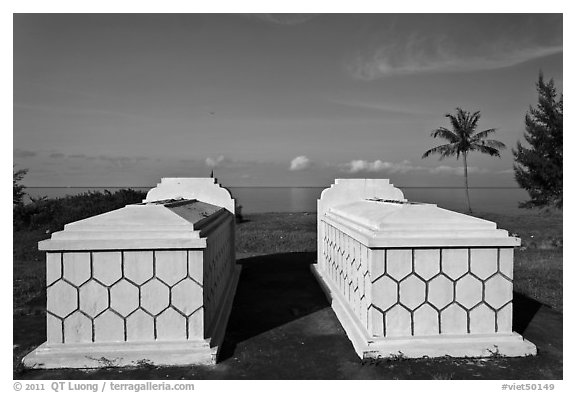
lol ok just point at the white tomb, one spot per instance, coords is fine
(150, 283)
(412, 279)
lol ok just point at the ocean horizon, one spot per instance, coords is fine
(261, 199)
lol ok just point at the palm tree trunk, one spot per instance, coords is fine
(466, 182)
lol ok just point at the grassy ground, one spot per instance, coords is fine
(273, 233)
(538, 263)
(282, 327)
(29, 266)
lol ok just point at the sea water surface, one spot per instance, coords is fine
(503, 200)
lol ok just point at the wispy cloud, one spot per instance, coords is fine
(300, 163)
(418, 50)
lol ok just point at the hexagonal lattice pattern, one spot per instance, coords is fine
(483, 262)
(154, 296)
(384, 293)
(76, 267)
(498, 291)
(107, 267)
(482, 320)
(468, 291)
(427, 263)
(171, 266)
(139, 326)
(171, 325)
(412, 292)
(455, 262)
(61, 299)
(426, 321)
(187, 296)
(440, 291)
(124, 297)
(77, 328)
(422, 291)
(398, 322)
(109, 326)
(453, 320)
(398, 263)
(138, 266)
(93, 298)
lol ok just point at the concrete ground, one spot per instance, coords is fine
(282, 327)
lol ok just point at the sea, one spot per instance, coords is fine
(501, 200)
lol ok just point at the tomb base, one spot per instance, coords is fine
(474, 346)
(100, 355)
(121, 354)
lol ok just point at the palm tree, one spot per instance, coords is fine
(463, 139)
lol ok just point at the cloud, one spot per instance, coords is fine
(56, 155)
(300, 163)
(214, 162)
(453, 43)
(24, 153)
(356, 166)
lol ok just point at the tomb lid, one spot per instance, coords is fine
(168, 223)
(399, 223)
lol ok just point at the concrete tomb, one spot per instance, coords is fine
(412, 279)
(148, 283)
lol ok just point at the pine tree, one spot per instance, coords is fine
(538, 168)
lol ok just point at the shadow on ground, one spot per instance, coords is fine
(273, 290)
(281, 327)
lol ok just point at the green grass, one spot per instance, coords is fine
(537, 271)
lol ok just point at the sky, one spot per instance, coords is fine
(270, 99)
